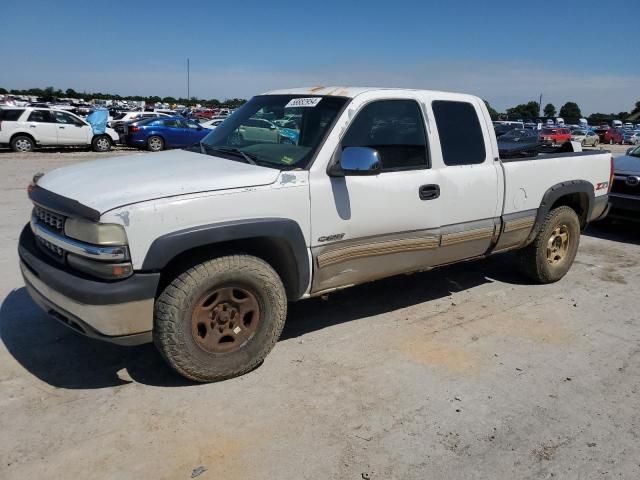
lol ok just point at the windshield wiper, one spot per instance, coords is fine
(250, 158)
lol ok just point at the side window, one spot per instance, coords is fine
(193, 125)
(42, 116)
(395, 129)
(460, 133)
(63, 118)
(10, 115)
(172, 123)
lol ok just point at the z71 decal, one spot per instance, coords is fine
(602, 186)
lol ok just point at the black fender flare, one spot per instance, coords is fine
(169, 246)
(558, 191)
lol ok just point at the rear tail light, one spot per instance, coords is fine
(134, 129)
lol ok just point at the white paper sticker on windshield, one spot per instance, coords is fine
(303, 102)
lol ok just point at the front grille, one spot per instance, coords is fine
(49, 219)
(50, 248)
(620, 186)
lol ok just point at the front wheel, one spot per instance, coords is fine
(101, 143)
(220, 319)
(548, 258)
(155, 143)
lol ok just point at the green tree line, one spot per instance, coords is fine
(49, 94)
(568, 111)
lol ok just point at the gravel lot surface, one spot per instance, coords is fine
(463, 372)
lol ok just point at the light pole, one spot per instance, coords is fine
(540, 107)
(188, 82)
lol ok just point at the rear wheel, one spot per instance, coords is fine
(101, 143)
(22, 144)
(155, 143)
(220, 318)
(548, 258)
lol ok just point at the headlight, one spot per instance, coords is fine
(95, 233)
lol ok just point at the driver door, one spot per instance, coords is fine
(372, 226)
(71, 131)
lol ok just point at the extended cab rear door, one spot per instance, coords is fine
(419, 211)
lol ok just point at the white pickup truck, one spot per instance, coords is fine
(199, 250)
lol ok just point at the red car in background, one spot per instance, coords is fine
(208, 113)
(613, 135)
(555, 136)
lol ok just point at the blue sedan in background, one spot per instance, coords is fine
(156, 134)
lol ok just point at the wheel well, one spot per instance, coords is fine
(22, 134)
(274, 251)
(106, 135)
(578, 201)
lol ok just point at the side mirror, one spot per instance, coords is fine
(357, 161)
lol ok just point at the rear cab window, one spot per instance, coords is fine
(461, 138)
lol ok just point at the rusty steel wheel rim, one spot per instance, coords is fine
(558, 245)
(225, 319)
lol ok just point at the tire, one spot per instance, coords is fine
(596, 143)
(538, 261)
(583, 143)
(198, 347)
(101, 143)
(22, 144)
(155, 143)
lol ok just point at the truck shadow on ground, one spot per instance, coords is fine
(63, 359)
(615, 230)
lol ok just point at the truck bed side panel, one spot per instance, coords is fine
(526, 181)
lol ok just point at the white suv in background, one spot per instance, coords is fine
(25, 128)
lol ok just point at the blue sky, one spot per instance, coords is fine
(508, 52)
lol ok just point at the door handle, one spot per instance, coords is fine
(429, 192)
(32, 126)
(62, 128)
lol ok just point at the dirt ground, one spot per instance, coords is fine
(460, 373)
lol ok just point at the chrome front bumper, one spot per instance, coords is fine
(119, 312)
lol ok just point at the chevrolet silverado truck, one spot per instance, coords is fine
(200, 250)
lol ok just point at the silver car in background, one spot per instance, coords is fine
(587, 138)
(632, 137)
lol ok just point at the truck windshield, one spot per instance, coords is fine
(254, 133)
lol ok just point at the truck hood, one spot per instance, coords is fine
(116, 181)
(627, 164)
